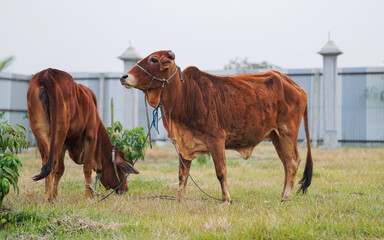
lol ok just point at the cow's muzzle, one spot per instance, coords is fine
(124, 80)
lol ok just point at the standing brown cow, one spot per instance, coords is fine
(208, 113)
(63, 116)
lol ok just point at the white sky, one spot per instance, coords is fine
(89, 35)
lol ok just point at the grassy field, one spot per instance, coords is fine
(345, 200)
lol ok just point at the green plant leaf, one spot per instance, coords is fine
(10, 145)
(9, 171)
(18, 125)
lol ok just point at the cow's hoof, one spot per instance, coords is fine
(226, 198)
(48, 199)
(88, 193)
(179, 198)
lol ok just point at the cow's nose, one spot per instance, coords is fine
(122, 79)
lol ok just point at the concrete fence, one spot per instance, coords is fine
(360, 101)
(345, 105)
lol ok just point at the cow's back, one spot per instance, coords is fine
(238, 102)
(56, 79)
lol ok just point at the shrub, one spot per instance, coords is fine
(12, 140)
(203, 159)
(130, 141)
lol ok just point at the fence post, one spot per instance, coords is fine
(131, 96)
(330, 52)
(316, 107)
(101, 96)
(112, 120)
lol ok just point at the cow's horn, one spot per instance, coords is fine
(172, 55)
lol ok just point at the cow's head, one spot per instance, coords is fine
(108, 176)
(159, 64)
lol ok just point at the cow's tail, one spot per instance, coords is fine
(307, 175)
(49, 101)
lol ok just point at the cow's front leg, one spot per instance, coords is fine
(183, 177)
(89, 154)
(217, 149)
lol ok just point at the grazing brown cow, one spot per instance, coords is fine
(63, 116)
(208, 113)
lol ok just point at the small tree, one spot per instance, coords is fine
(203, 159)
(129, 141)
(243, 63)
(12, 138)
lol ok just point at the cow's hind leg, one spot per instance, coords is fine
(43, 147)
(184, 168)
(58, 172)
(286, 148)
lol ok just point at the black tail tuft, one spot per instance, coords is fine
(305, 182)
(45, 171)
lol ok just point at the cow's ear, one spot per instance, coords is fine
(126, 167)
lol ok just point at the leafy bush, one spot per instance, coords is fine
(12, 138)
(130, 141)
(203, 159)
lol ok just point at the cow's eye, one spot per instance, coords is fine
(153, 60)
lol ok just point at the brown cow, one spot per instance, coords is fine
(63, 116)
(208, 113)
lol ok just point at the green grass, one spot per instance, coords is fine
(345, 201)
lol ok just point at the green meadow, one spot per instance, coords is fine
(345, 200)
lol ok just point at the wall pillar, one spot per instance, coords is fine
(330, 53)
(131, 96)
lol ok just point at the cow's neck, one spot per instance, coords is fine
(170, 95)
